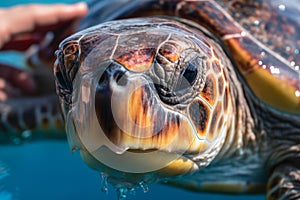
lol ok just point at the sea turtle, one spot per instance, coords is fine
(201, 94)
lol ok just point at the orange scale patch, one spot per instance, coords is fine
(170, 52)
(209, 92)
(140, 114)
(226, 98)
(200, 113)
(139, 60)
(214, 121)
(220, 125)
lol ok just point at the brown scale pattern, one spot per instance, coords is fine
(217, 112)
(199, 113)
(137, 61)
(220, 85)
(206, 14)
(92, 53)
(209, 91)
(170, 52)
(226, 98)
(216, 67)
(220, 124)
(267, 23)
(214, 94)
(136, 52)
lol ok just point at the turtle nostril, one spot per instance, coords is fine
(113, 76)
(120, 78)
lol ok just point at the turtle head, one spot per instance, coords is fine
(142, 97)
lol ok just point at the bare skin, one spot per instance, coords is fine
(23, 26)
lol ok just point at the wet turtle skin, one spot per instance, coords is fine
(203, 96)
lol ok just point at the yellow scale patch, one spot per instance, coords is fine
(276, 91)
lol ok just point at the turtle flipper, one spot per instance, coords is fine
(284, 183)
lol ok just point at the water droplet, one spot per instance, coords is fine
(104, 183)
(296, 51)
(260, 62)
(293, 63)
(262, 54)
(243, 33)
(256, 22)
(288, 48)
(264, 66)
(74, 148)
(122, 193)
(297, 93)
(282, 7)
(144, 186)
(297, 67)
(274, 70)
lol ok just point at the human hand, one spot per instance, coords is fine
(28, 24)
(23, 26)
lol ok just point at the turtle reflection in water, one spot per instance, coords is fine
(203, 95)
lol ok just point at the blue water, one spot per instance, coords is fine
(48, 170)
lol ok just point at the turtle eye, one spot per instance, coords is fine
(71, 53)
(67, 64)
(187, 76)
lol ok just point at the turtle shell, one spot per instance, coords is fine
(261, 37)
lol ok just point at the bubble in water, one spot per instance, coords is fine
(104, 183)
(296, 51)
(144, 186)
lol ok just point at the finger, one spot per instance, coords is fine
(26, 18)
